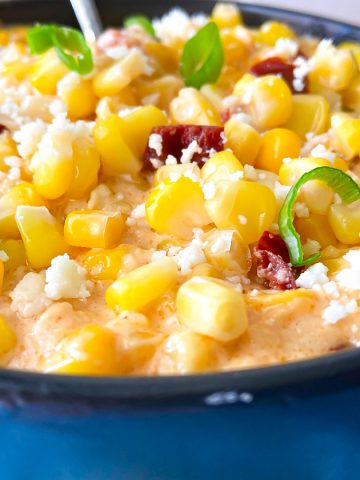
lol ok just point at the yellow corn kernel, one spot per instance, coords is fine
(247, 207)
(276, 145)
(113, 79)
(225, 250)
(242, 139)
(226, 15)
(106, 264)
(220, 166)
(4, 37)
(138, 289)
(167, 171)
(86, 164)
(160, 90)
(176, 207)
(352, 47)
(315, 227)
(186, 352)
(116, 156)
(268, 299)
(345, 222)
(235, 50)
(203, 270)
(93, 228)
(266, 99)
(214, 94)
(46, 72)
(138, 125)
(7, 337)
(79, 98)
(2, 269)
(310, 114)
(90, 350)
(316, 194)
(351, 94)
(228, 78)
(7, 149)
(108, 105)
(332, 67)
(164, 56)
(345, 136)
(192, 107)
(212, 307)
(271, 31)
(18, 68)
(22, 194)
(138, 347)
(42, 235)
(15, 250)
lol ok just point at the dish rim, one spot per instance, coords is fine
(253, 380)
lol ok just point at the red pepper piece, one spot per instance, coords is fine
(272, 257)
(276, 66)
(176, 138)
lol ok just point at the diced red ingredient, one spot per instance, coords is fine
(3, 128)
(276, 66)
(225, 115)
(176, 138)
(271, 258)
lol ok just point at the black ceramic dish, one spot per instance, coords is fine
(293, 421)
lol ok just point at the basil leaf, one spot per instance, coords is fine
(39, 38)
(203, 57)
(70, 46)
(340, 182)
(141, 21)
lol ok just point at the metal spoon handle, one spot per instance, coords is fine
(88, 17)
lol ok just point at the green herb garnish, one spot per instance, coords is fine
(203, 57)
(141, 21)
(340, 182)
(69, 44)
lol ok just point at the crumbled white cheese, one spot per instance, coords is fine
(139, 211)
(28, 297)
(315, 275)
(320, 151)
(301, 70)
(242, 219)
(13, 161)
(331, 289)
(285, 47)
(28, 137)
(286, 160)
(192, 175)
(281, 191)
(156, 163)
(170, 160)
(4, 257)
(349, 278)
(56, 107)
(190, 256)
(209, 190)
(242, 117)
(223, 241)
(236, 176)
(158, 255)
(155, 142)
(188, 153)
(337, 311)
(65, 278)
(250, 173)
(223, 137)
(174, 176)
(301, 210)
(177, 24)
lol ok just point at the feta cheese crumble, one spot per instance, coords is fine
(65, 278)
(315, 275)
(349, 278)
(337, 311)
(320, 151)
(155, 142)
(188, 153)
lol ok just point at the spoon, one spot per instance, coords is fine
(88, 17)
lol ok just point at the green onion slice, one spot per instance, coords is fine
(203, 57)
(69, 44)
(141, 21)
(340, 182)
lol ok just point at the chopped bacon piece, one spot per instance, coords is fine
(176, 138)
(276, 66)
(272, 257)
